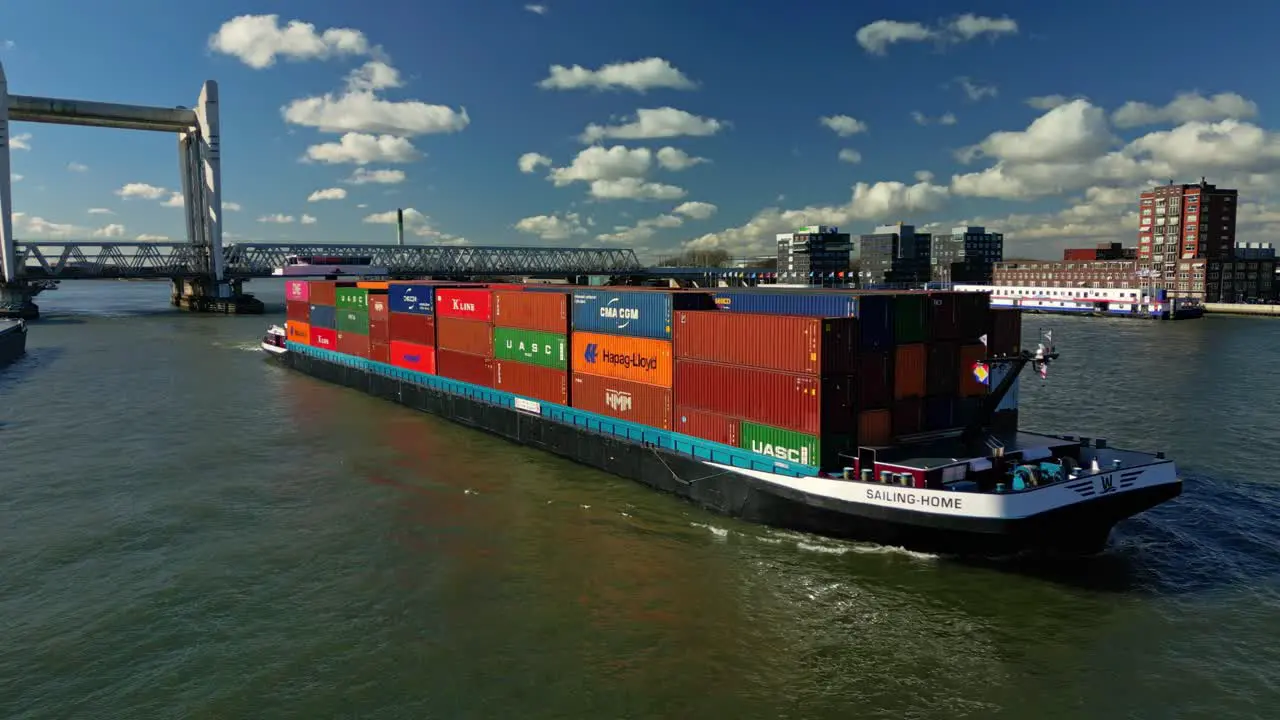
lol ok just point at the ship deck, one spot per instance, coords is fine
(941, 452)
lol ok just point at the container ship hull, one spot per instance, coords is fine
(1074, 516)
(13, 341)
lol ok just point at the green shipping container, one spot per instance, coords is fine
(353, 321)
(530, 346)
(909, 316)
(787, 445)
(352, 299)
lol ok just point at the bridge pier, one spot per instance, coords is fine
(16, 301)
(203, 295)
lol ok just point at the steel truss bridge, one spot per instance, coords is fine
(105, 259)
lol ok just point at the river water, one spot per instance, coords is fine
(191, 532)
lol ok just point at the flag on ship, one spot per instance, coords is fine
(982, 372)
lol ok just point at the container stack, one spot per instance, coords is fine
(778, 385)
(412, 326)
(380, 324)
(324, 314)
(464, 335)
(911, 355)
(531, 344)
(352, 305)
(297, 311)
(1005, 339)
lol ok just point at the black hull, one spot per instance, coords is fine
(13, 344)
(1082, 528)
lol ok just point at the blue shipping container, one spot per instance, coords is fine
(324, 316)
(784, 303)
(418, 299)
(875, 322)
(635, 314)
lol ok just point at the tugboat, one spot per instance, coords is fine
(273, 343)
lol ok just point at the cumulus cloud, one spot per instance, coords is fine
(21, 141)
(114, 230)
(639, 76)
(619, 172)
(334, 193)
(363, 148)
(696, 210)
(641, 231)
(278, 219)
(364, 112)
(536, 9)
(142, 191)
(531, 161)
(416, 223)
(876, 37)
(552, 227)
(258, 40)
(77, 167)
(849, 155)
(843, 125)
(101, 211)
(1186, 107)
(307, 219)
(363, 176)
(943, 119)
(653, 123)
(974, 91)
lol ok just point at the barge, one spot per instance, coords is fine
(982, 488)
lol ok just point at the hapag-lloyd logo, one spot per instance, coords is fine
(294, 332)
(592, 354)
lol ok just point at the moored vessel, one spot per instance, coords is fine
(13, 340)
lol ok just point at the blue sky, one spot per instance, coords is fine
(1019, 116)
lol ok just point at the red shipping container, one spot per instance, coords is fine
(942, 316)
(532, 381)
(909, 370)
(379, 318)
(409, 356)
(708, 426)
(297, 311)
(468, 304)
(324, 338)
(966, 382)
(940, 370)
(875, 427)
(1006, 332)
(297, 291)
(788, 343)
(636, 402)
(353, 344)
(474, 369)
(875, 380)
(379, 351)
(469, 336)
(413, 328)
(542, 311)
(804, 403)
(323, 292)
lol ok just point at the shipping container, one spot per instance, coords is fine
(323, 337)
(373, 284)
(355, 344)
(875, 321)
(473, 337)
(875, 379)
(942, 317)
(875, 427)
(967, 384)
(1006, 332)
(625, 358)
(535, 382)
(635, 402)
(352, 298)
(805, 403)
(465, 304)
(941, 369)
(323, 316)
(531, 346)
(379, 351)
(908, 416)
(379, 318)
(474, 369)
(298, 332)
(910, 318)
(414, 298)
(634, 313)
(299, 311)
(411, 356)
(769, 302)
(413, 328)
(708, 426)
(973, 315)
(353, 321)
(786, 445)
(909, 366)
(322, 292)
(544, 312)
(297, 291)
(788, 343)
(939, 412)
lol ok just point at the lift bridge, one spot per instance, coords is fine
(208, 275)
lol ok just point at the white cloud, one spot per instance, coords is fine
(230, 206)
(362, 111)
(361, 176)
(278, 218)
(362, 205)
(307, 220)
(876, 37)
(417, 224)
(1047, 102)
(1071, 130)
(145, 237)
(924, 176)
(619, 172)
(101, 211)
(641, 231)
(531, 161)
(21, 141)
(114, 230)
(142, 191)
(334, 193)
(675, 160)
(77, 167)
(373, 75)
(843, 125)
(174, 201)
(1186, 107)
(975, 91)
(849, 155)
(257, 40)
(651, 123)
(640, 76)
(16, 177)
(696, 210)
(362, 148)
(536, 9)
(552, 227)
(631, 188)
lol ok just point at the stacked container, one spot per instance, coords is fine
(464, 335)
(297, 311)
(322, 295)
(1005, 339)
(778, 385)
(621, 350)
(531, 344)
(352, 304)
(411, 326)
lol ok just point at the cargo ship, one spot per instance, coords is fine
(883, 417)
(13, 340)
(1129, 302)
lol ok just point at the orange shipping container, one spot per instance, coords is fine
(373, 285)
(474, 337)
(875, 427)
(643, 360)
(298, 332)
(969, 385)
(909, 371)
(541, 311)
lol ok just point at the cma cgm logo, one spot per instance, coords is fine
(590, 353)
(463, 306)
(624, 315)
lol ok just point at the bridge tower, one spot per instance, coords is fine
(200, 165)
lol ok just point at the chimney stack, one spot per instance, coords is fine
(399, 226)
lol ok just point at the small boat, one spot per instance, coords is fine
(273, 342)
